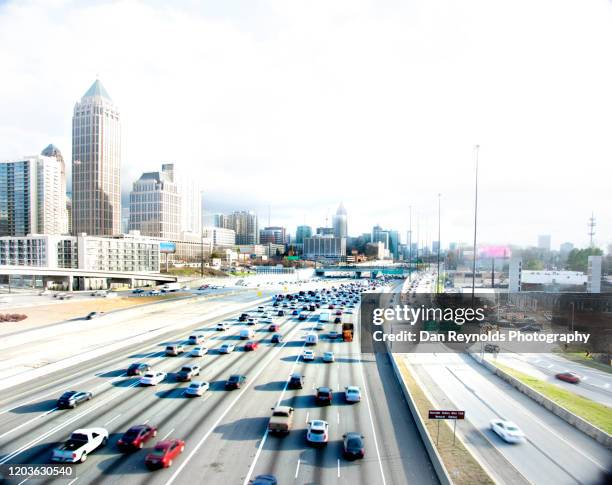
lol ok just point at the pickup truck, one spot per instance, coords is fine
(79, 445)
(281, 420)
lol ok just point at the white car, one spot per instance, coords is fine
(352, 394)
(308, 355)
(252, 320)
(319, 326)
(198, 351)
(197, 388)
(507, 431)
(222, 326)
(152, 378)
(266, 321)
(227, 348)
(154, 292)
(328, 357)
(318, 432)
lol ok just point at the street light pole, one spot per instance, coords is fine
(439, 244)
(410, 244)
(476, 149)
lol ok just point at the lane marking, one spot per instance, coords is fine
(338, 467)
(307, 416)
(28, 422)
(111, 420)
(145, 422)
(297, 468)
(168, 434)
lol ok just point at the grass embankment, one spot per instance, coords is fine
(462, 467)
(581, 358)
(595, 413)
(187, 271)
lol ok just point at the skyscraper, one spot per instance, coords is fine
(301, 233)
(245, 225)
(33, 196)
(96, 164)
(155, 205)
(339, 222)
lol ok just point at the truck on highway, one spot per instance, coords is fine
(347, 332)
(281, 420)
(168, 287)
(79, 445)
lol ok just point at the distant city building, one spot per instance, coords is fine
(219, 236)
(339, 222)
(594, 274)
(273, 234)
(544, 242)
(394, 244)
(245, 225)
(155, 205)
(325, 231)
(325, 247)
(301, 233)
(434, 246)
(33, 196)
(380, 235)
(566, 248)
(190, 198)
(96, 164)
(515, 270)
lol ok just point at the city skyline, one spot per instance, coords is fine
(224, 131)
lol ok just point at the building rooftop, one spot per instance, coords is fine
(97, 89)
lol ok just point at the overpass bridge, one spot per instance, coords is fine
(77, 279)
(364, 271)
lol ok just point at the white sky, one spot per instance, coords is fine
(301, 104)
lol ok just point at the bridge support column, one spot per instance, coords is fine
(70, 282)
(132, 282)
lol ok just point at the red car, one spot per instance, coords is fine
(251, 345)
(273, 328)
(135, 437)
(338, 312)
(164, 453)
(570, 377)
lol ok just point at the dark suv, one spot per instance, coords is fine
(296, 381)
(324, 396)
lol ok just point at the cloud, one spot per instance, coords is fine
(299, 105)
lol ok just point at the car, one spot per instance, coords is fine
(308, 355)
(333, 335)
(353, 446)
(507, 430)
(318, 432)
(203, 287)
(266, 321)
(152, 378)
(198, 351)
(295, 313)
(328, 357)
(251, 345)
(337, 320)
(137, 369)
(187, 372)
(252, 320)
(280, 313)
(570, 377)
(352, 394)
(71, 399)
(296, 381)
(260, 309)
(164, 453)
(154, 292)
(196, 388)
(302, 316)
(138, 291)
(273, 328)
(243, 317)
(92, 315)
(235, 381)
(266, 479)
(175, 349)
(226, 348)
(324, 396)
(196, 339)
(530, 328)
(277, 338)
(135, 437)
(222, 326)
(319, 326)
(81, 443)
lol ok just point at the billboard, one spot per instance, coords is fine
(167, 247)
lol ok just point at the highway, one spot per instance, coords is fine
(224, 431)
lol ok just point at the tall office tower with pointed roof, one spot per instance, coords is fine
(96, 164)
(339, 222)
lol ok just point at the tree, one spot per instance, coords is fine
(577, 259)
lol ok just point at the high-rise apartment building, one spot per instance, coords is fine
(245, 225)
(155, 205)
(339, 222)
(301, 233)
(96, 164)
(273, 235)
(33, 196)
(191, 201)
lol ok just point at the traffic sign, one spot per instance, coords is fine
(446, 414)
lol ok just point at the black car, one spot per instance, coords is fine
(235, 381)
(353, 446)
(138, 369)
(324, 396)
(187, 372)
(281, 313)
(71, 399)
(295, 312)
(296, 381)
(337, 320)
(243, 317)
(277, 338)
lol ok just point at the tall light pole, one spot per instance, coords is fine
(439, 244)
(410, 243)
(476, 150)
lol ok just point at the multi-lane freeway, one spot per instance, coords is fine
(224, 431)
